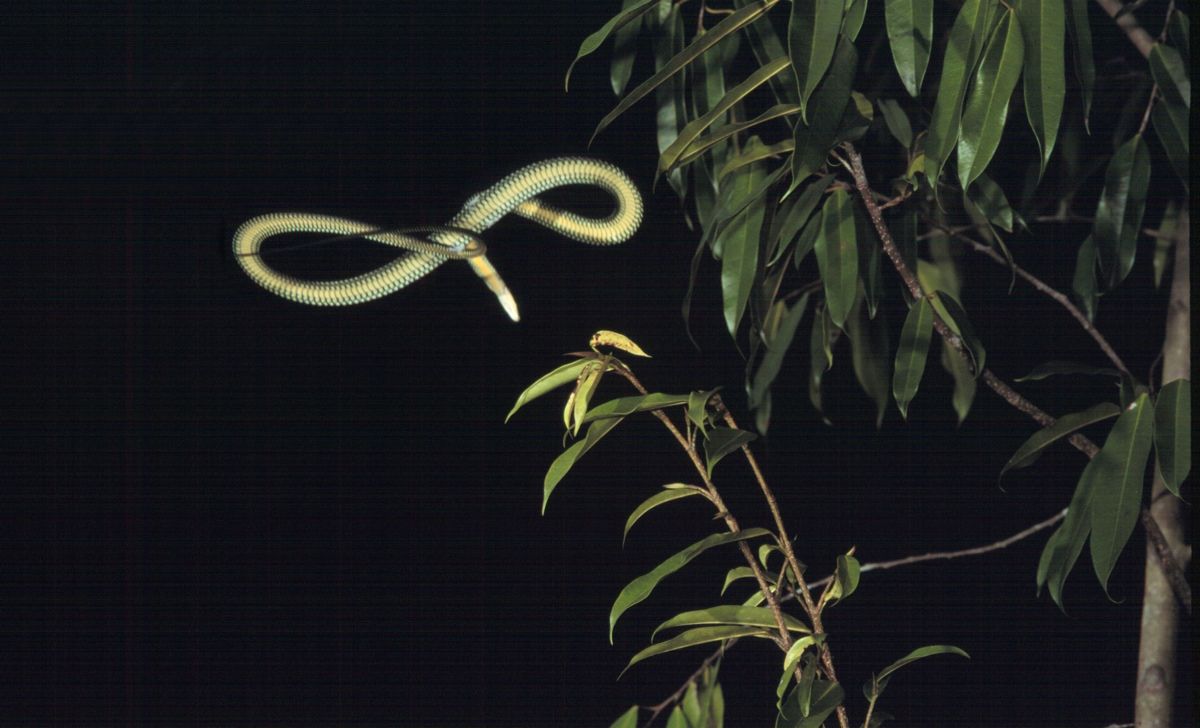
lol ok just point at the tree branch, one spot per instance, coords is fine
(1128, 23)
(1166, 562)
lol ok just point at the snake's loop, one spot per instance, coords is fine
(517, 193)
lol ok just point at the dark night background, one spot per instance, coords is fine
(224, 508)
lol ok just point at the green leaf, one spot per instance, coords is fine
(964, 381)
(870, 354)
(807, 240)
(987, 104)
(697, 409)
(812, 36)
(837, 255)
(625, 50)
(870, 256)
(731, 614)
(1173, 432)
(670, 157)
(919, 654)
(910, 35)
(912, 353)
(1120, 480)
(776, 349)
(1044, 25)
(820, 348)
(897, 122)
(581, 397)
(765, 44)
(564, 462)
(1170, 121)
(566, 374)
(1083, 285)
(640, 588)
(845, 579)
(701, 43)
(740, 572)
(656, 500)
(739, 242)
(1164, 243)
(722, 441)
(794, 213)
(856, 13)
(1080, 30)
(815, 136)
(722, 133)
(623, 406)
(825, 697)
(966, 41)
(1064, 426)
(754, 150)
(1179, 34)
(697, 636)
(958, 321)
(795, 654)
(677, 718)
(1064, 546)
(1052, 368)
(628, 719)
(1118, 220)
(672, 106)
(1171, 75)
(991, 201)
(595, 40)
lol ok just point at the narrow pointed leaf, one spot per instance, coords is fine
(1083, 284)
(628, 719)
(625, 49)
(815, 136)
(1178, 31)
(672, 105)
(991, 201)
(776, 349)
(566, 374)
(595, 40)
(958, 321)
(1170, 121)
(618, 341)
(589, 381)
(697, 409)
(739, 244)
(966, 41)
(1120, 480)
(640, 588)
(794, 213)
(697, 636)
(1080, 30)
(1064, 426)
(897, 122)
(727, 27)
(820, 348)
(1171, 74)
(564, 462)
(623, 406)
(1052, 368)
(740, 572)
(1118, 220)
(919, 654)
(1066, 544)
(812, 36)
(856, 13)
(837, 255)
(1173, 432)
(731, 614)
(753, 151)
(824, 698)
(870, 355)
(910, 35)
(722, 441)
(986, 107)
(912, 353)
(656, 500)
(720, 134)
(965, 383)
(1044, 26)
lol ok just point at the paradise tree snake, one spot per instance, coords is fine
(516, 193)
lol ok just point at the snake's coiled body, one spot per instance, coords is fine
(516, 193)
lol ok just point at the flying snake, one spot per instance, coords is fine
(457, 240)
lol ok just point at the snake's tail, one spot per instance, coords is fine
(485, 270)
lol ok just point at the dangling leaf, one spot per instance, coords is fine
(1120, 480)
(912, 353)
(919, 654)
(1043, 25)
(837, 255)
(1173, 432)
(595, 40)
(815, 136)
(564, 462)
(987, 104)
(812, 36)
(870, 354)
(910, 35)
(1170, 120)
(824, 698)
(1064, 426)
(845, 579)
(1118, 221)
(656, 500)
(672, 106)
(722, 441)
(1171, 75)
(776, 349)
(1080, 29)
(1083, 285)
(628, 719)
(640, 588)
(964, 381)
(896, 121)
(739, 243)
(625, 49)
(616, 341)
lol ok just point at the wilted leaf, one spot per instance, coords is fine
(987, 103)
(656, 500)
(640, 588)
(912, 353)
(625, 49)
(964, 381)
(837, 255)
(845, 579)
(1170, 121)
(910, 35)
(1120, 480)
(616, 341)
(1173, 432)
(1064, 426)
(697, 409)
(1043, 24)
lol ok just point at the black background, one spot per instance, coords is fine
(221, 507)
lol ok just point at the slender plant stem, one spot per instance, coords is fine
(785, 543)
(1129, 25)
(1059, 297)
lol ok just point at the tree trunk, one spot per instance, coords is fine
(1160, 607)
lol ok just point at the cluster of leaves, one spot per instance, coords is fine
(752, 144)
(815, 695)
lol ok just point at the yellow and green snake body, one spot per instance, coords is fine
(516, 193)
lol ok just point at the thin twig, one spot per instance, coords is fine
(1059, 297)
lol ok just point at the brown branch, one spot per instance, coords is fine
(674, 697)
(1175, 577)
(1129, 25)
(1059, 297)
